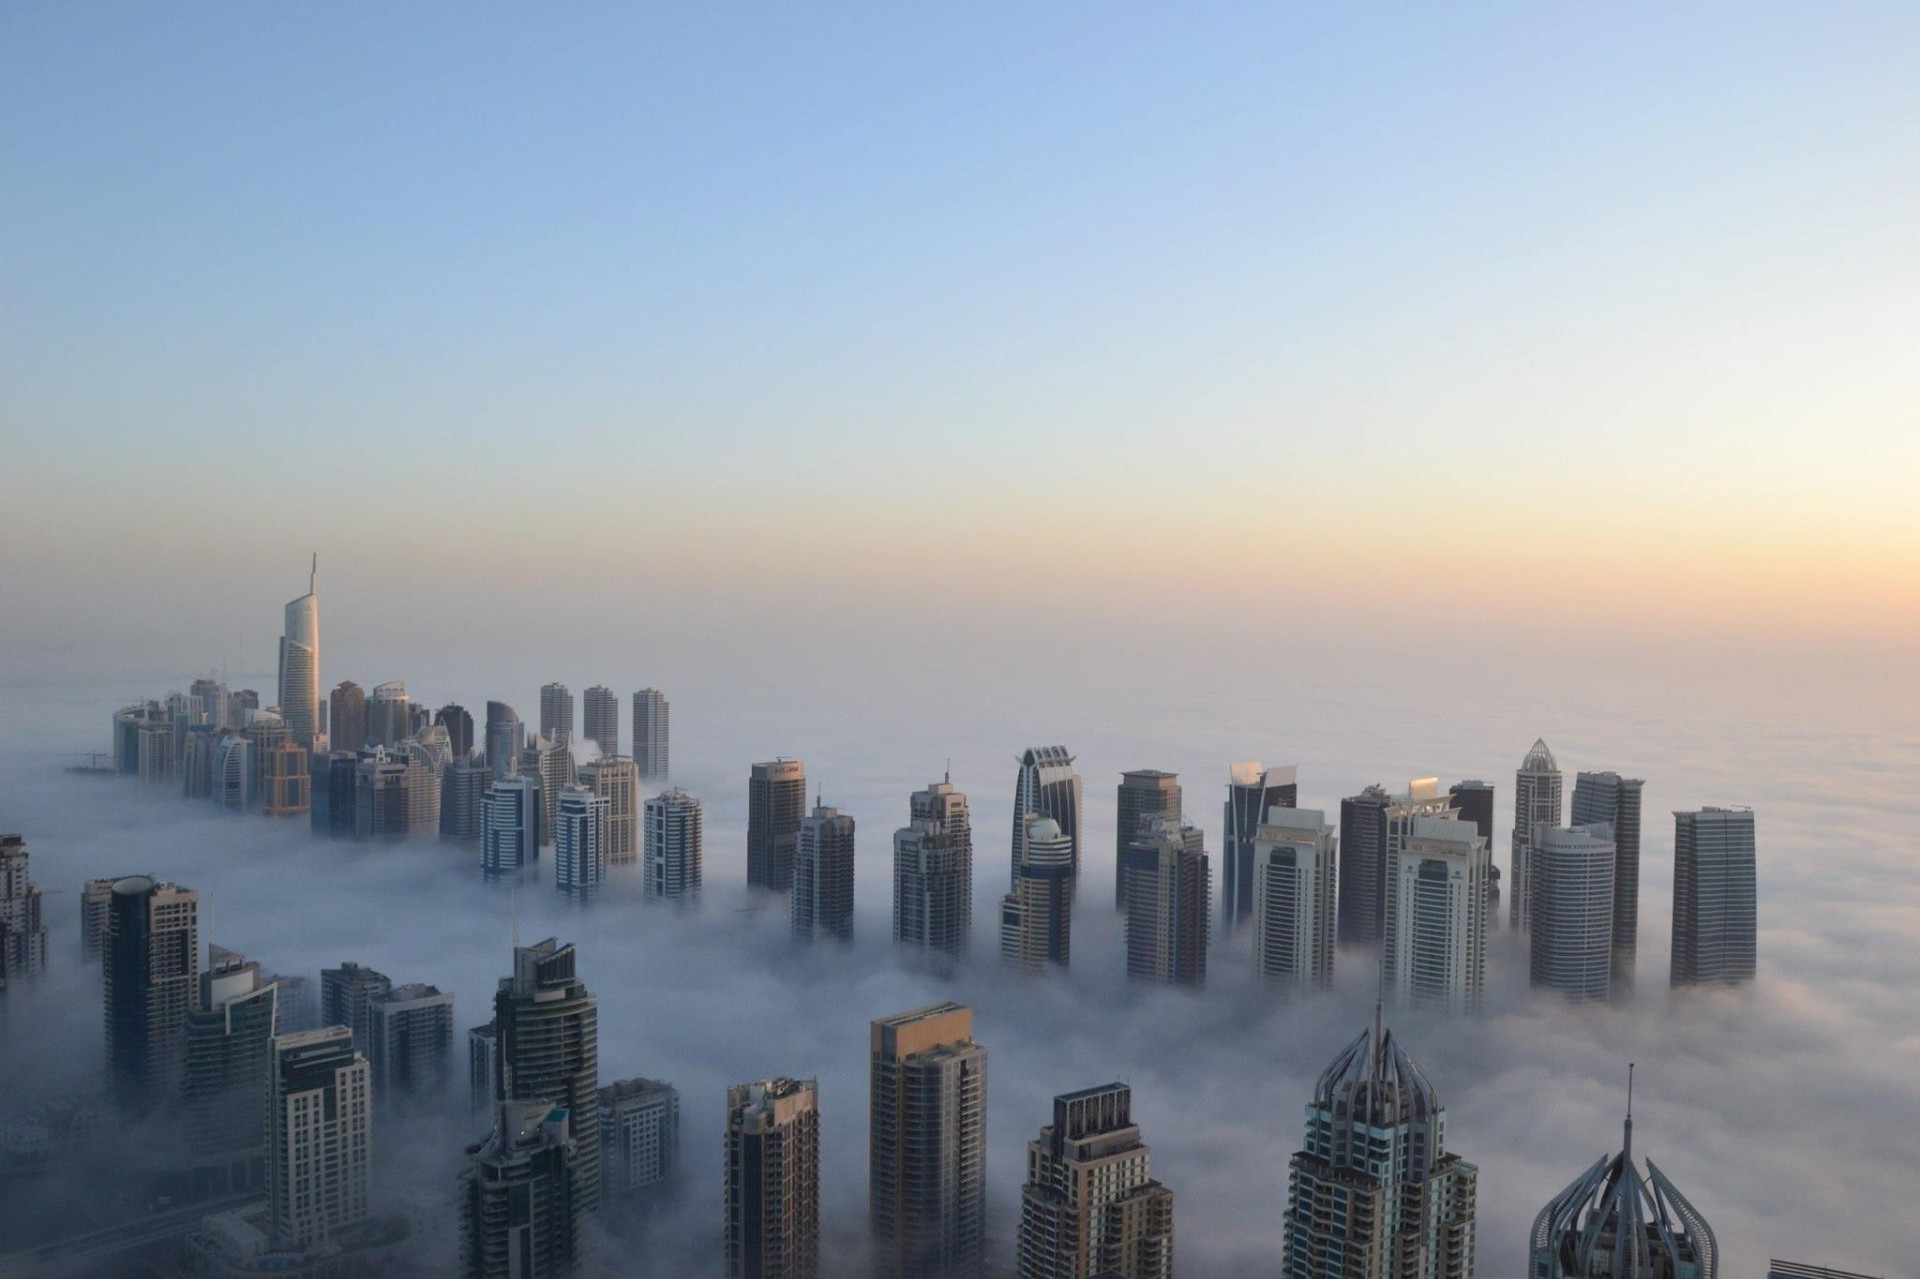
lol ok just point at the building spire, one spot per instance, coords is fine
(313, 574)
(1626, 1150)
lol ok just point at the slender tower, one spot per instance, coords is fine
(1536, 803)
(548, 1031)
(1047, 785)
(300, 663)
(1253, 790)
(933, 873)
(1143, 793)
(1036, 918)
(1167, 891)
(1570, 943)
(1715, 891)
(1435, 949)
(650, 713)
(1615, 800)
(150, 976)
(820, 906)
(776, 803)
(773, 1180)
(1293, 899)
(927, 1136)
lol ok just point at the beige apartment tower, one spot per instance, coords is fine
(773, 1180)
(927, 1137)
(1090, 1205)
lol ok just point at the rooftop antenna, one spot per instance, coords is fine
(947, 777)
(1626, 1153)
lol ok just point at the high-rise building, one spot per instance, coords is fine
(556, 713)
(506, 739)
(776, 804)
(1570, 942)
(1046, 784)
(580, 843)
(1168, 892)
(1615, 800)
(23, 928)
(1612, 1223)
(1091, 1205)
(382, 807)
(616, 779)
(458, 722)
(1374, 1192)
(229, 1059)
(1472, 801)
(602, 711)
(463, 799)
(639, 1136)
(347, 717)
(346, 993)
(1036, 918)
(1363, 866)
(234, 780)
(1252, 790)
(319, 1138)
(1143, 793)
(552, 763)
(1536, 803)
(333, 813)
(96, 901)
(673, 846)
(927, 1135)
(1435, 950)
(389, 714)
(483, 1068)
(650, 734)
(409, 1040)
(933, 872)
(773, 1180)
(1715, 892)
(1294, 899)
(300, 664)
(150, 975)
(297, 1002)
(510, 827)
(286, 780)
(520, 1198)
(821, 904)
(549, 1035)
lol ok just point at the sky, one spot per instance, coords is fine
(1589, 324)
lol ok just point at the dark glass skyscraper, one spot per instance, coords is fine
(1363, 866)
(821, 904)
(1715, 892)
(548, 1030)
(459, 725)
(1615, 800)
(1047, 785)
(1143, 793)
(150, 975)
(1252, 788)
(776, 803)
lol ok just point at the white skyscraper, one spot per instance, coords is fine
(1571, 937)
(510, 826)
(673, 832)
(1294, 899)
(319, 1138)
(580, 843)
(1536, 802)
(300, 664)
(617, 779)
(1436, 934)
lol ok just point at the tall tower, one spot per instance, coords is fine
(347, 717)
(459, 725)
(1473, 802)
(1536, 802)
(556, 713)
(150, 975)
(1571, 941)
(821, 905)
(1252, 791)
(548, 1029)
(1168, 893)
(1612, 1223)
(1374, 1193)
(409, 1041)
(580, 843)
(300, 664)
(229, 1059)
(674, 831)
(1036, 918)
(319, 1138)
(96, 903)
(389, 714)
(927, 1137)
(1436, 934)
(510, 828)
(23, 929)
(1363, 866)
(1294, 871)
(1046, 784)
(463, 799)
(1715, 892)
(773, 1180)
(1143, 793)
(506, 739)
(639, 1136)
(601, 709)
(1090, 1205)
(617, 780)
(520, 1209)
(650, 733)
(933, 873)
(1615, 800)
(776, 803)
(345, 994)
(552, 763)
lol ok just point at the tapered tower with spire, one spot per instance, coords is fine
(300, 663)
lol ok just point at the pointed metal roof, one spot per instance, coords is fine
(1539, 759)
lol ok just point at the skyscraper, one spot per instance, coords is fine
(1036, 917)
(389, 714)
(1473, 802)
(1570, 943)
(23, 929)
(382, 808)
(234, 782)
(1143, 793)
(286, 780)
(650, 734)
(463, 799)
(345, 994)
(229, 1059)
(347, 717)
(549, 1036)
(927, 1134)
(1615, 800)
(150, 975)
(933, 872)
(639, 1136)
(409, 1040)
(580, 843)
(1168, 893)
(1436, 934)
(776, 803)
(601, 709)
(1294, 871)
(459, 725)
(1090, 1205)
(96, 902)
(1612, 1223)
(1252, 790)
(552, 763)
(319, 1138)
(300, 664)
(510, 828)
(773, 1180)
(1046, 784)
(1715, 891)
(506, 739)
(520, 1197)
(556, 713)
(821, 904)
(1374, 1193)
(334, 801)
(1536, 802)
(616, 779)
(1363, 866)
(673, 845)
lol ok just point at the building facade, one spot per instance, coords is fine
(674, 826)
(1715, 897)
(23, 925)
(617, 780)
(1046, 784)
(1536, 802)
(150, 976)
(299, 683)
(1570, 942)
(1615, 800)
(601, 711)
(933, 874)
(1252, 791)
(1090, 1205)
(409, 1041)
(1295, 899)
(639, 1137)
(1036, 917)
(319, 1138)
(1168, 894)
(776, 805)
(510, 830)
(556, 713)
(927, 1136)
(580, 844)
(1143, 793)
(520, 1210)
(773, 1180)
(548, 1031)
(821, 904)
(1436, 936)
(650, 734)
